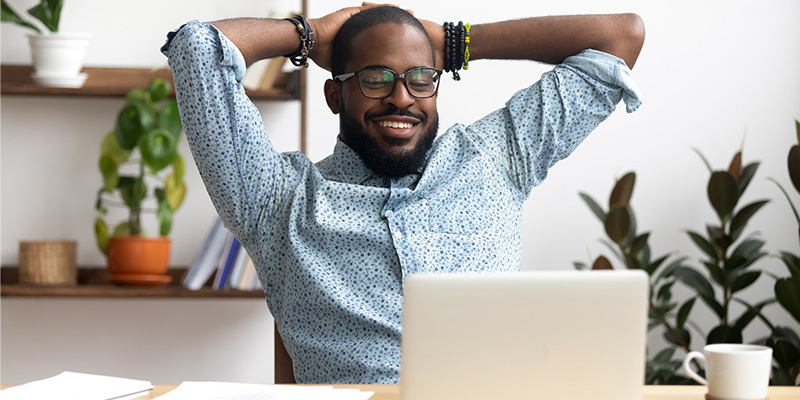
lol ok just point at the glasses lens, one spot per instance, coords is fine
(376, 83)
(421, 82)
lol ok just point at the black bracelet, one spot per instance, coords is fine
(300, 56)
(454, 47)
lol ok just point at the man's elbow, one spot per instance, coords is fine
(631, 38)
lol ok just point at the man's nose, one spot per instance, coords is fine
(400, 97)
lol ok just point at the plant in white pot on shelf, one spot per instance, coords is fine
(142, 172)
(57, 56)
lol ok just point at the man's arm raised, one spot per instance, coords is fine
(551, 39)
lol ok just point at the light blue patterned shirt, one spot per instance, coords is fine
(333, 242)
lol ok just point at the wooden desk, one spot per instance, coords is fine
(392, 392)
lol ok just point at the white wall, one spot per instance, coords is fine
(709, 73)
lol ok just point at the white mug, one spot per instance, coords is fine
(733, 371)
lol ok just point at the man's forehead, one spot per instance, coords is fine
(391, 45)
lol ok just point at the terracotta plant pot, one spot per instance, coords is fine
(137, 255)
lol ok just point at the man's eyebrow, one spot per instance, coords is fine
(387, 67)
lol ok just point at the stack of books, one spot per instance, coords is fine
(266, 75)
(223, 257)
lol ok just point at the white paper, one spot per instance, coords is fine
(76, 386)
(247, 391)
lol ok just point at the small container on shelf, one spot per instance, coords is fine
(48, 262)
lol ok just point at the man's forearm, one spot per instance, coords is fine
(552, 39)
(260, 38)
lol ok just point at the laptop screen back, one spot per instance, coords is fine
(527, 335)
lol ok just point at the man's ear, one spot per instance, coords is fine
(333, 95)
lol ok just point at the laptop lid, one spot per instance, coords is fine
(526, 335)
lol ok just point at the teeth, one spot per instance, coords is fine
(394, 124)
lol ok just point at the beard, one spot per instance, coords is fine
(392, 164)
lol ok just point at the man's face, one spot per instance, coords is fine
(391, 135)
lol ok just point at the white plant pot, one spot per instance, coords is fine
(58, 58)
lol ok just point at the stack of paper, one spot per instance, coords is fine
(246, 391)
(75, 386)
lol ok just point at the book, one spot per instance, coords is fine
(207, 256)
(235, 281)
(226, 263)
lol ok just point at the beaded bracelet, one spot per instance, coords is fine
(300, 57)
(466, 46)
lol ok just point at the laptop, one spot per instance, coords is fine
(525, 335)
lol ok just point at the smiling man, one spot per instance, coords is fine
(333, 241)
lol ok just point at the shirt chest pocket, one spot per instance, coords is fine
(458, 208)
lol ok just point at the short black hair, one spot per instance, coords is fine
(342, 50)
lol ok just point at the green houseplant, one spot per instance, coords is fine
(139, 162)
(632, 250)
(57, 56)
(785, 343)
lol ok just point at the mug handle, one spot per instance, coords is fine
(687, 366)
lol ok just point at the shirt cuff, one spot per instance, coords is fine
(230, 54)
(609, 69)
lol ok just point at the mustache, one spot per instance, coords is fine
(392, 110)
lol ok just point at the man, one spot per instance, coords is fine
(334, 241)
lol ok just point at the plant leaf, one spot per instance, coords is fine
(123, 229)
(748, 249)
(792, 263)
(132, 122)
(175, 193)
(133, 191)
(744, 280)
(580, 265)
(797, 128)
(670, 269)
(170, 119)
(784, 352)
(788, 200)
(158, 89)
(787, 292)
(639, 242)
(101, 234)
(158, 149)
(794, 166)
(163, 213)
(695, 280)
(724, 334)
(715, 272)
(702, 157)
(723, 192)
(751, 313)
(618, 223)
(747, 176)
(111, 147)
(596, 209)
(735, 168)
(740, 219)
(623, 190)
(601, 263)
(110, 171)
(684, 335)
(683, 312)
(178, 168)
(704, 245)
(48, 11)
(7, 14)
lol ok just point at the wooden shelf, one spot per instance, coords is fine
(93, 282)
(115, 82)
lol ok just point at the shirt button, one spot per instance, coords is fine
(398, 235)
(389, 213)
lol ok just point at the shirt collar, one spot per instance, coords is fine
(349, 166)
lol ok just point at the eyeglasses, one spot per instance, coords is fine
(379, 82)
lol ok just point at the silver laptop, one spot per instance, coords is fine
(528, 335)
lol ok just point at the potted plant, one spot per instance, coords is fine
(57, 56)
(143, 173)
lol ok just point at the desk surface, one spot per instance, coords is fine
(392, 392)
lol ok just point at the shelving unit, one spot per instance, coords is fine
(93, 283)
(115, 82)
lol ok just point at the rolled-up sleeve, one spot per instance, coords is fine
(246, 178)
(545, 122)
